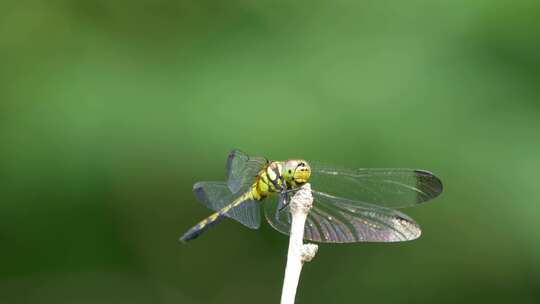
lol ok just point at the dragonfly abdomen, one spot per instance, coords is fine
(201, 227)
(215, 218)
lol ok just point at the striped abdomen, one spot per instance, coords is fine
(215, 218)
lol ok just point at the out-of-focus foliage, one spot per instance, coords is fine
(111, 110)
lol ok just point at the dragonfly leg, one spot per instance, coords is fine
(289, 191)
(282, 204)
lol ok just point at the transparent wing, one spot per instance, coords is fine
(241, 170)
(216, 195)
(395, 188)
(338, 220)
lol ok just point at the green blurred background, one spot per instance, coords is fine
(111, 110)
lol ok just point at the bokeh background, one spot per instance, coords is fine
(111, 110)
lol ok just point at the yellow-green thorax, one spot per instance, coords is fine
(279, 176)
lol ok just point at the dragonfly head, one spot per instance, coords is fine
(296, 171)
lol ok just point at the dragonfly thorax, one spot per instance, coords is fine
(279, 176)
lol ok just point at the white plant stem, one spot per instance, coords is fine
(298, 252)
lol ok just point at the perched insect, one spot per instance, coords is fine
(350, 205)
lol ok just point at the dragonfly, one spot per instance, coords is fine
(349, 205)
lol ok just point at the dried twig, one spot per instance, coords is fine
(298, 252)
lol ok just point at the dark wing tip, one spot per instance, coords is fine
(429, 185)
(198, 187)
(228, 165)
(198, 190)
(410, 230)
(233, 153)
(230, 157)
